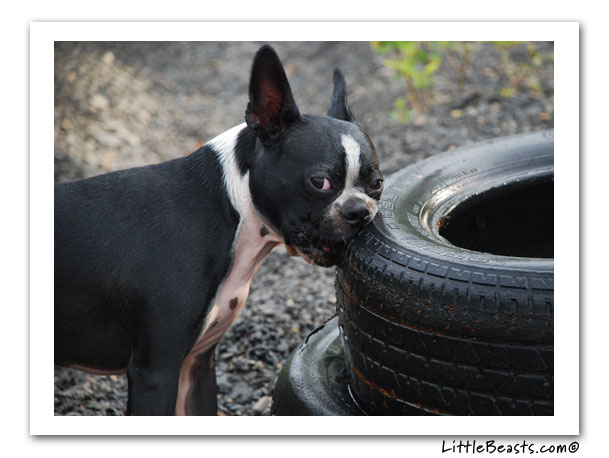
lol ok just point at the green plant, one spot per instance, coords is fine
(458, 54)
(521, 75)
(416, 62)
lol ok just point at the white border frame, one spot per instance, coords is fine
(566, 40)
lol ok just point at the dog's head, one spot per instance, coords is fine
(315, 179)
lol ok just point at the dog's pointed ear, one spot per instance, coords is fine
(339, 108)
(271, 107)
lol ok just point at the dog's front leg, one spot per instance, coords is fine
(198, 389)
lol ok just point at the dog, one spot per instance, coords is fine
(154, 263)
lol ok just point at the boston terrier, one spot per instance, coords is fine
(153, 264)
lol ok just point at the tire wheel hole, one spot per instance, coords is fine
(514, 220)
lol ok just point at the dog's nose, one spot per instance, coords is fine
(355, 213)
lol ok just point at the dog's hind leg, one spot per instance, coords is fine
(152, 388)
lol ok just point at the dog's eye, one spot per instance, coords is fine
(321, 183)
(376, 185)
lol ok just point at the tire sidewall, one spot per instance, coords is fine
(462, 173)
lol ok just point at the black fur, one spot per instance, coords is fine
(132, 275)
(339, 108)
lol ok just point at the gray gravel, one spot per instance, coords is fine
(119, 105)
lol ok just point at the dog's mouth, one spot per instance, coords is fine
(325, 256)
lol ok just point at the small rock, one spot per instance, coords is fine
(99, 102)
(108, 58)
(262, 405)
(240, 392)
(456, 114)
(420, 120)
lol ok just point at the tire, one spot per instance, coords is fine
(446, 300)
(314, 380)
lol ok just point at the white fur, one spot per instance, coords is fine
(353, 164)
(237, 185)
(352, 153)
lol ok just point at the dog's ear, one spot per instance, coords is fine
(339, 108)
(271, 107)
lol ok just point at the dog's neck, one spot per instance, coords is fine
(235, 149)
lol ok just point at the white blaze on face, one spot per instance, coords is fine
(353, 165)
(352, 153)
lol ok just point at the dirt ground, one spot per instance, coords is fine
(119, 105)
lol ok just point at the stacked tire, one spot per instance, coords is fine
(446, 300)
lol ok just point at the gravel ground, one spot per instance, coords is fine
(119, 105)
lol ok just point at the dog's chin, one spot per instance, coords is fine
(324, 257)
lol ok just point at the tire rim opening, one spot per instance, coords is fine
(513, 220)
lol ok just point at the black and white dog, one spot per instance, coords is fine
(153, 264)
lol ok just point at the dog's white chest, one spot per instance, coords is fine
(254, 242)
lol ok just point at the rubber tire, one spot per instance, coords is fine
(432, 328)
(314, 380)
